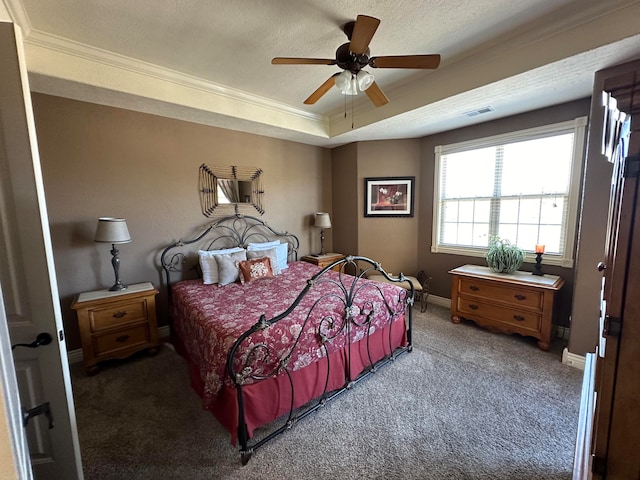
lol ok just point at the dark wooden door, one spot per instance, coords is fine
(617, 426)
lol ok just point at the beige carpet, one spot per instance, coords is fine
(465, 404)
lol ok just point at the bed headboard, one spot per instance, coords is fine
(180, 259)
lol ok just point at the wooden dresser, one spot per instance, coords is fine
(509, 303)
(116, 324)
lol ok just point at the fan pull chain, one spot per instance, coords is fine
(352, 112)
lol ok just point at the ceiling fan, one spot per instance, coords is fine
(353, 56)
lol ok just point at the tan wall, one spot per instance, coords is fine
(344, 172)
(439, 264)
(390, 241)
(103, 161)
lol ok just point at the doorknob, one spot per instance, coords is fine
(43, 409)
(602, 266)
(42, 339)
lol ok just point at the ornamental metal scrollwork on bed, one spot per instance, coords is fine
(181, 258)
(264, 361)
(253, 359)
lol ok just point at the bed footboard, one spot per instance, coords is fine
(345, 328)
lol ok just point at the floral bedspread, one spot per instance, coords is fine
(208, 318)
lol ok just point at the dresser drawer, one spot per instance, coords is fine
(515, 295)
(119, 314)
(522, 319)
(121, 340)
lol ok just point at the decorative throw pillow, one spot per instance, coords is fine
(208, 263)
(227, 267)
(271, 253)
(254, 269)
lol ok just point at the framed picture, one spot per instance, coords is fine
(388, 196)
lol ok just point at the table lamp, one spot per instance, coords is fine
(322, 221)
(113, 230)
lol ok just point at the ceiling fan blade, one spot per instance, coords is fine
(362, 34)
(376, 95)
(405, 61)
(302, 61)
(322, 89)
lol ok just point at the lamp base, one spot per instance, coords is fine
(115, 262)
(117, 287)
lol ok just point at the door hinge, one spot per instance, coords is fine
(61, 335)
(612, 326)
(632, 166)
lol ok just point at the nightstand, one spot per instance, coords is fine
(115, 325)
(323, 260)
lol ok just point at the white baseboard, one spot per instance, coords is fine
(572, 359)
(440, 301)
(76, 356)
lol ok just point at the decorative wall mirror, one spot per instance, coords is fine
(228, 190)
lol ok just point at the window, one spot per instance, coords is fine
(522, 186)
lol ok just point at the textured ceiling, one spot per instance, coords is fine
(209, 60)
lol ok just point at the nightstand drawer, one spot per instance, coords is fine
(116, 315)
(518, 297)
(518, 318)
(121, 339)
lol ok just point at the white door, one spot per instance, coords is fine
(28, 280)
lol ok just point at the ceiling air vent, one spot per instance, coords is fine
(480, 111)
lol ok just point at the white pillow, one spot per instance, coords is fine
(228, 267)
(282, 253)
(263, 245)
(208, 263)
(271, 253)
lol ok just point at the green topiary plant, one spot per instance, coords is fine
(503, 257)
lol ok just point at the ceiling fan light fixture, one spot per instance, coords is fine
(343, 81)
(353, 56)
(365, 80)
(353, 87)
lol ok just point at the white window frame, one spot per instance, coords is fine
(578, 128)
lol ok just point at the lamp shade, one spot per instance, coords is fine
(347, 84)
(343, 81)
(112, 230)
(322, 220)
(365, 80)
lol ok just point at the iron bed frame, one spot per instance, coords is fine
(262, 362)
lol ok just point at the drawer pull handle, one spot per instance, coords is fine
(473, 306)
(520, 318)
(519, 296)
(122, 338)
(119, 314)
(474, 288)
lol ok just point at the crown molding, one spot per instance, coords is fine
(18, 15)
(116, 61)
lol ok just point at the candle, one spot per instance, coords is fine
(539, 248)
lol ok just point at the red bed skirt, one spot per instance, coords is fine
(269, 399)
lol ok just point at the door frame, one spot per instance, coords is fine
(12, 408)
